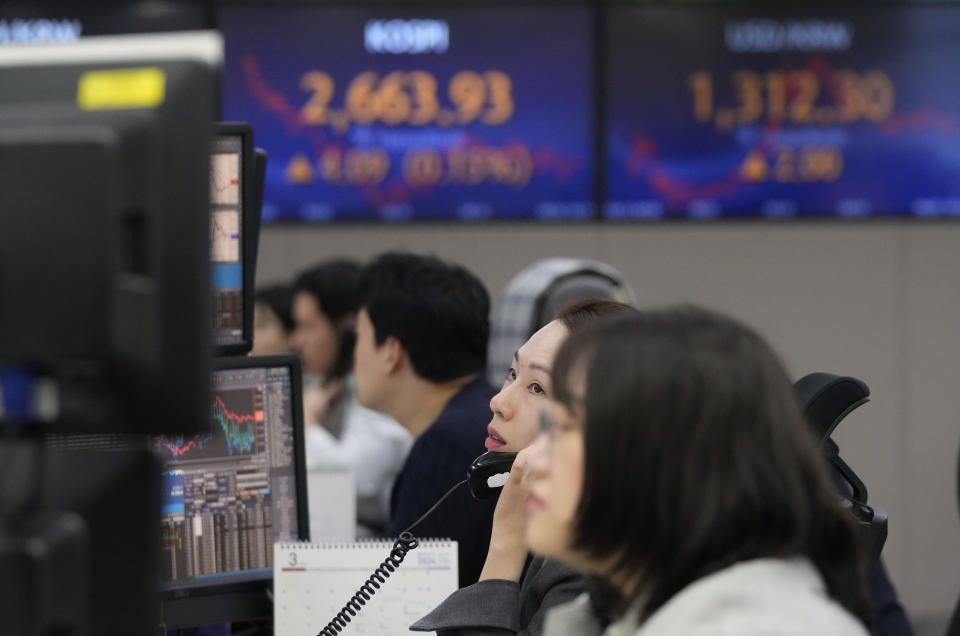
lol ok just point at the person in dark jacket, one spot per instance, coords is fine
(422, 333)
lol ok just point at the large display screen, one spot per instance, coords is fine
(392, 114)
(730, 112)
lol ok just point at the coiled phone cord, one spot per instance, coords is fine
(404, 543)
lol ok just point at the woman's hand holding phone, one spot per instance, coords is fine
(508, 548)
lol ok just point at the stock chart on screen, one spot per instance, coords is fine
(389, 114)
(226, 214)
(229, 492)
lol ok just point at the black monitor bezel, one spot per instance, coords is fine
(260, 173)
(150, 370)
(117, 494)
(250, 226)
(244, 600)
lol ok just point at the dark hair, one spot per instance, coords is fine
(439, 312)
(334, 286)
(719, 465)
(584, 312)
(279, 299)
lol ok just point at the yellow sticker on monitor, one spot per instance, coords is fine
(121, 88)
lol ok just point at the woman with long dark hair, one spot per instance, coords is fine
(676, 469)
(515, 591)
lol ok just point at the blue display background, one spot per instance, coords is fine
(172, 493)
(227, 275)
(662, 163)
(547, 53)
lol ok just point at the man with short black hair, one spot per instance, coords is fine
(422, 333)
(338, 432)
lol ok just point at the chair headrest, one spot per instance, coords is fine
(571, 288)
(826, 399)
(536, 293)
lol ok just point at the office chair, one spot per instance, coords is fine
(826, 399)
(534, 296)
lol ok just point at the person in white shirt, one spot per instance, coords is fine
(340, 433)
(272, 321)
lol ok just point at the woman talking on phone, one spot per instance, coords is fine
(514, 590)
(675, 468)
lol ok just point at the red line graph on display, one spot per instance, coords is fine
(221, 185)
(225, 178)
(239, 439)
(179, 448)
(232, 433)
(643, 162)
(239, 418)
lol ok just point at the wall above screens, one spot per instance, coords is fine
(436, 113)
(731, 111)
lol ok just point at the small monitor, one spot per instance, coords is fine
(230, 492)
(233, 225)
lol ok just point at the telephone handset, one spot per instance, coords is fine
(485, 475)
(488, 473)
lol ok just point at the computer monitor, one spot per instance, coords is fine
(230, 492)
(116, 494)
(84, 557)
(234, 222)
(104, 192)
(260, 172)
(104, 246)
